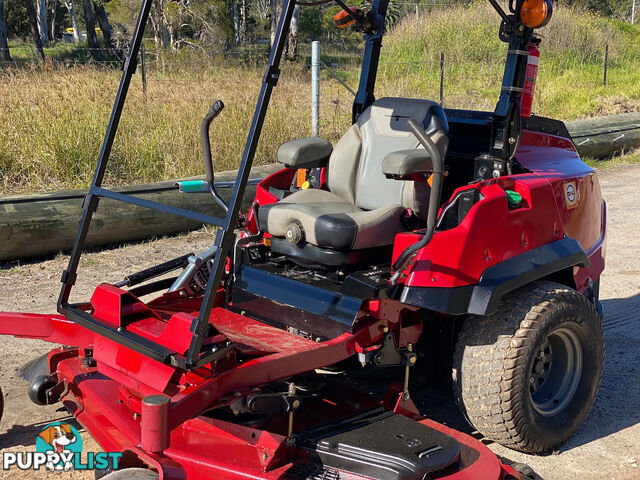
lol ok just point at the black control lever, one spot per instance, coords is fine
(434, 198)
(213, 112)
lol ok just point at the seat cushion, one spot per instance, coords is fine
(329, 221)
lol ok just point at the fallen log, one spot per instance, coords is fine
(44, 224)
(602, 137)
(47, 223)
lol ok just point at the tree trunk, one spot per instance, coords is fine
(233, 9)
(74, 20)
(276, 10)
(166, 35)
(243, 22)
(155, 27)
(292, 51)
(105, 26)
(43, 25)
(159, 24)
(33, 22)
(52, 37)
(4, 46)
(90, 24)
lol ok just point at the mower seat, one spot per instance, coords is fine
(363, 208)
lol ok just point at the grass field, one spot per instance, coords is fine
(53, 117)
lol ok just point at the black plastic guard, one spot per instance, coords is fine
(484, 297)
(384, 446)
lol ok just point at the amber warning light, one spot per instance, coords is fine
(536, 13)
(343, 19)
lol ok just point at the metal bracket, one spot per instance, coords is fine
(266, 403)
(69, 278)
(216, 352)
(390, 356)
(55, 393)
(271, 76)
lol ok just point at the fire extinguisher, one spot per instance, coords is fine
(526, 99)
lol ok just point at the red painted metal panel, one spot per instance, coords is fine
(255, 334)
(203, 447)
(48, 327)
(458, 256)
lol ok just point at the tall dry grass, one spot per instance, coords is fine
(52, 122)
(52, 119)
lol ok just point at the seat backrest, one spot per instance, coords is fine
(355, 166)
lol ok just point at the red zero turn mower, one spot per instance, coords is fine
(421, 228)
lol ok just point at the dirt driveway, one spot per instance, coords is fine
(607, 446)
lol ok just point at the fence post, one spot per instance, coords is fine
(315, 88)
(606, 61)
(417, 13)
(633, 11)
(143, 66)
(441, 78)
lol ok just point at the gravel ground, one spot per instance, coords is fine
(607, 446)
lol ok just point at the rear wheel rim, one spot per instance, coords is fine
(555, 372)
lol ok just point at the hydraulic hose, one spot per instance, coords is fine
(434, 199)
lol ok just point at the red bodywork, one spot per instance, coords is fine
(106, 394)
(459, 256)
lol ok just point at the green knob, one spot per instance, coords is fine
(513, 199)
(193, 186)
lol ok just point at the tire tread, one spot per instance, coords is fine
(491, 391)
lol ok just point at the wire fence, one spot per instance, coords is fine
(467, 82)
(622, 61)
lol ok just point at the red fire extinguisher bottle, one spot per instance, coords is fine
(531, 73)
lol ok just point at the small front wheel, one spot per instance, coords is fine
(38, 389)
(527, 376)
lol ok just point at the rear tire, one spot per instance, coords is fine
(527, 376)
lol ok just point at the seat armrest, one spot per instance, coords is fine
(310, 152)
(406, 163)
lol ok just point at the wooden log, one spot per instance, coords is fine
(44, 224)
(602, 137)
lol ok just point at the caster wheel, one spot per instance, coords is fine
(38, 389)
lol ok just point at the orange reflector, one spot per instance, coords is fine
(430, 180)
(536, 13)
(343, 19)
(301, 178)
(266, 241)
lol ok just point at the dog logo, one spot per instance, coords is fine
(64, 440)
